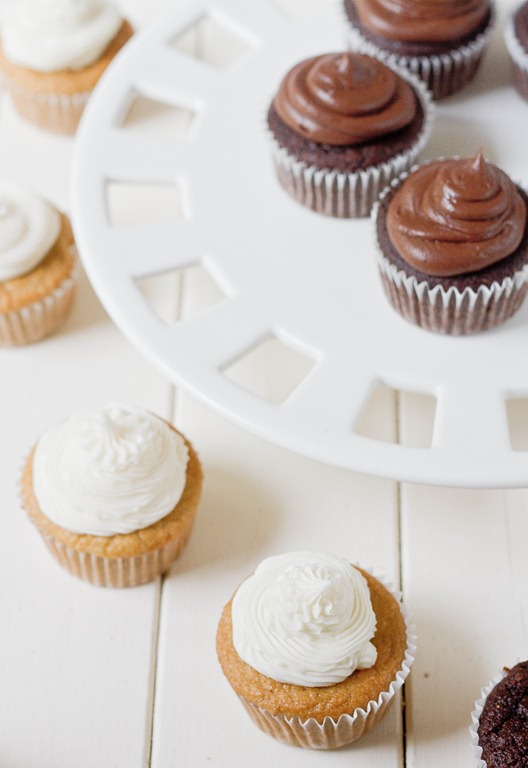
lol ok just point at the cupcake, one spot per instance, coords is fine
(342, 125)
(315, 648)
(516, 39)
(442, 42)
(52, 54)
(37, 266)
(452, 245)
(113, 493)
(499, 732)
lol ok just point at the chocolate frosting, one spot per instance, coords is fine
(455, 216)
(344, 99)
(423, 20)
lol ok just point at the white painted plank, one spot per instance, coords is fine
(75, 660)
(259, 500)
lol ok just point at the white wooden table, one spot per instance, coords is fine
(123, 679)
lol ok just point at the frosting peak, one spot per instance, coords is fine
(114, 470)
(304, 618)
(29, 227)
(53, 35)
(455, 216)
(344, 99)
(422, 20)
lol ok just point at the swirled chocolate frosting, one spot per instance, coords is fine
(422, 20)
(456, 216)
(344, 99)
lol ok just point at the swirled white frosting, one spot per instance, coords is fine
(304, 618)
(113, 470)
(29, 227)
(55, 35)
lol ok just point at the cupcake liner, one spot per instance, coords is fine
(331, 734)
(56, 112)
(518, 59)
(448, 310)
(475, 717)
(348, 195)
(117, 571)
(445, 73)
(40, 318)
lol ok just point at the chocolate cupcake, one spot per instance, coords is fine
(342, 125)
(315, 648)
(500, 721)
(516, 40)
(452, 243)
(442, 42)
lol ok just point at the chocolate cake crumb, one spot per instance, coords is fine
(503, 724)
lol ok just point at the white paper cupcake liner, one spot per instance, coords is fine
(332, 734)
(56, 112)
(349, 195)
(445, 73)
(448, 310)
(40, 318)
(117, 571)
(518, 59)
(475, 717)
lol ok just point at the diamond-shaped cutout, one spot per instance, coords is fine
(396, 416)
(180, 293)
(271, 369)
(156, 118)
(214, 40)
(302, 9)
(131, 203)
(517, 414)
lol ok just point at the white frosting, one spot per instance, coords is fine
(113, 470)
(55, 35)
(29, 227)
(305, 618)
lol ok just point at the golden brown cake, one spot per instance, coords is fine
(119, 559)
(323, 716)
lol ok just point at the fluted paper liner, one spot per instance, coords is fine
(56, 112)
(349, 195)
(518, 58)
(331, 734)
(448, 310)
(40, 318)
(445, 73)
(475, 717)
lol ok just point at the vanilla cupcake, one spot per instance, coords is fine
(342, 125)
(452, 245)
(113, 492)
(315, 649)
(440, 41)
(37, 266)
(52, 54)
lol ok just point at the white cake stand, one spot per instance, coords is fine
(287, 273)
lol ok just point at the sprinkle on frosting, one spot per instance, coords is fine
(55, 35)
(422, 20)
(455, 216)
(305, 618)
(344, 99)
(29, 227)
(113, 470)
